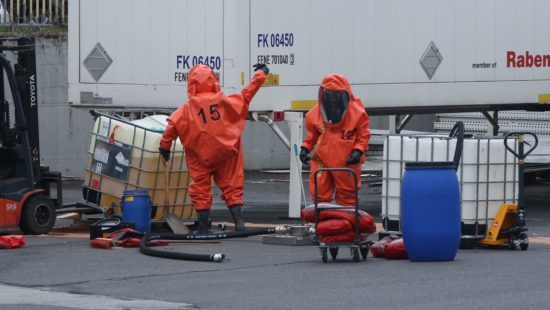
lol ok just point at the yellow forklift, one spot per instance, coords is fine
(508, 227)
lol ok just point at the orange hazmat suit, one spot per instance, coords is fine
(209, 125)
(337, 126)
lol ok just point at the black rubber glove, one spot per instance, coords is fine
(262, 67)
(304, 158)
(165, 154)
(354, 157)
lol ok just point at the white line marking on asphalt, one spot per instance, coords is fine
(13, 295)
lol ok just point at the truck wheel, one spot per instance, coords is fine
(38, 215)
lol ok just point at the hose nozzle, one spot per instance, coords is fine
(218, 257)
(281, 229)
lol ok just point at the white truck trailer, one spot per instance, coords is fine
(401, 57)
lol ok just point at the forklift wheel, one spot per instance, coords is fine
(38, 215)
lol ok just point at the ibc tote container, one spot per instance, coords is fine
(487, 174)
(123, 155)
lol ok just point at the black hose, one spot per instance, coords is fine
(458, 132)
(176, 255)
(218, 257)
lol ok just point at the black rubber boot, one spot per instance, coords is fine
(203, 222)
(236, 213)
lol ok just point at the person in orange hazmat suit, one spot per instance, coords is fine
(209, 125)
(338, 132)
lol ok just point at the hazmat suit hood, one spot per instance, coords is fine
(334, 97)
(202, 81)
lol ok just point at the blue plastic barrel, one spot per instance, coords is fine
(430, 211)
(136, 207)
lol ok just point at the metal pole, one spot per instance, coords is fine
(276, 129)
(295, 122)
(521, 196)
(392, 124)
(296, 153)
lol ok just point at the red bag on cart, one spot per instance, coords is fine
(12, 241)
(333, 227)
(396, 249)
(343, 238)
(308, 214)
(366, 221)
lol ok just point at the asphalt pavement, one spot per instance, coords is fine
(61, 271)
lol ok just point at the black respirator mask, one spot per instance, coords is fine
(334, 104)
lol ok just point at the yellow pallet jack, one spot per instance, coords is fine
(508, 227)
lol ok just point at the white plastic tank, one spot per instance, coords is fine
(488, 176)
(487, 173)
(123, 155)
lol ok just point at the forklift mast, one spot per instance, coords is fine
(25, 74)
(19, 137)
(17, 175)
